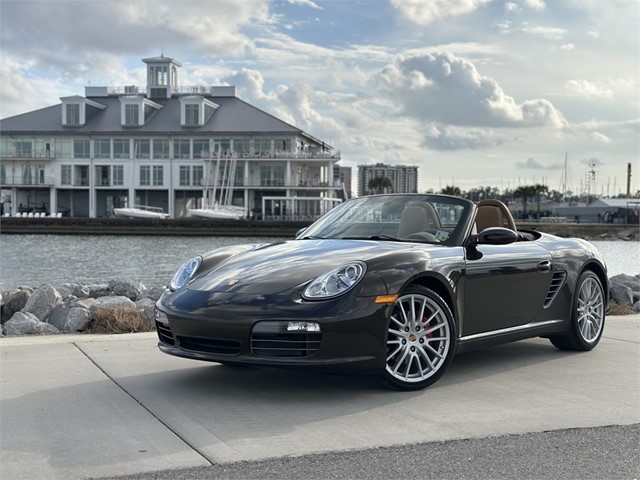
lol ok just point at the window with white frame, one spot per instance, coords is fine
(121, 148)
(72, 114)
(200, 148)
(185, 175)
(102, 148)
(158, 175)
(118, 175)
(131, 115)
(141, 148)
(81, 148)
(182, 148)
(161, 148)
(159, 75)
(145, 175)
(63, 147)
(191, 114)
(198, 174)
(24, 148)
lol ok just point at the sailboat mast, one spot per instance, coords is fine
(212, 200)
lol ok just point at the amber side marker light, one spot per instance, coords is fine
(386, 298)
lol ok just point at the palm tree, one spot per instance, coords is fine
(524, 192)
(379, 184)
(538, 190)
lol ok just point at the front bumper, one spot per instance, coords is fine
(229, 328)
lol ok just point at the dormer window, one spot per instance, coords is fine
(74, 110)
(73, 114)
(195, 111)
(192, 114)
(132, 115)
(135, 110)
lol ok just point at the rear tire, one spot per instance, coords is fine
(420, 339)
(587, 315)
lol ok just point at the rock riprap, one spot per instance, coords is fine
(72, 307)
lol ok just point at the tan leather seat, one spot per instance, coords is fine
(488, 216)
(493, 213)
(414, 219)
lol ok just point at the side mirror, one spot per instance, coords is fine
(497, 236)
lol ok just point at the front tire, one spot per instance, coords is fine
(420, 339)
(587, 315)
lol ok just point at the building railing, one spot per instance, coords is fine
(20, 181)
(275, 183)
(280, 155)
(28, 155)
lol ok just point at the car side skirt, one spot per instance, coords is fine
(511, 334)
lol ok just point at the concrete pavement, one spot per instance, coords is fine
(78, 406)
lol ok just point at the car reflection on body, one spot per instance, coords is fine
(386, 284)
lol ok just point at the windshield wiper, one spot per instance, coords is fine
(376, 237)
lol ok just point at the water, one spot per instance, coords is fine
(36, 259)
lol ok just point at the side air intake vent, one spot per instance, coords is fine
(557, 281)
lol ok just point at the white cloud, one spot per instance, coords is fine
(550, 33)
(457, 138)
(535, 4)
(511, 7)
(567, 47)
(449, 90)
(600, 138)
(305, 3)
(588, 89)
(593, 33)
(424, 12)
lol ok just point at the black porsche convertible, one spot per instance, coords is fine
(386, 284)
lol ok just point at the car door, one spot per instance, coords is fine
(505, 286)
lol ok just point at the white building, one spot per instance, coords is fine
(159, 145)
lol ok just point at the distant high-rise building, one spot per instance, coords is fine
(403, 178)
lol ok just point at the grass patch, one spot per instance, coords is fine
(616, 308)
(119, 320)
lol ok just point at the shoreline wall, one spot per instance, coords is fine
(258, 228)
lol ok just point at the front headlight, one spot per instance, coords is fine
(335, 282)
(184, 273)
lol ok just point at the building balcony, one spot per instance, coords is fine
(44, 182)
(277, 183)
(28, 155)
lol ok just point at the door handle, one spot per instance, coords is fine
(544, 266)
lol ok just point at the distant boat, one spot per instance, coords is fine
(140, 211)
(219, 211)
(212, 208)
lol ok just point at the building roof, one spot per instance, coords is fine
(615, 202)
(234, 116)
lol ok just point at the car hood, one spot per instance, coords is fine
(278, 267)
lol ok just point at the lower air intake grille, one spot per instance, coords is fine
(210, 345)
(164, 334)
(285, 344)
(556, 284)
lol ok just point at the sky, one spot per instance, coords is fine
(475, 93)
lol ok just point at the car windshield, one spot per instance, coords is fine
(410, 218)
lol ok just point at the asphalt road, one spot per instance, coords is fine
(582, 453)
(92, 406)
